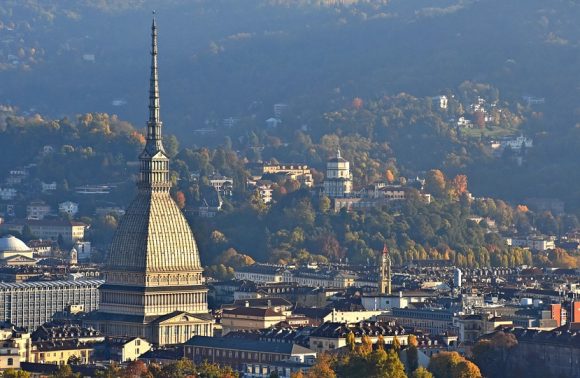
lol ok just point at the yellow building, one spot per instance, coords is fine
(122, 349)
(332, 335)
(61, 352)
(15, 346)
(250, 318)
(298, 172)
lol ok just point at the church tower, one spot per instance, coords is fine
(385, 272)
(153, 276)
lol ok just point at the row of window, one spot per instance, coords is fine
(237, 354)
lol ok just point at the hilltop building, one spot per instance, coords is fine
(49, 229)
(338, 181)
(298, 172)
(37, 210)
(153, 276)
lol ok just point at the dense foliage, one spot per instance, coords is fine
(299, 228)
(179, 369)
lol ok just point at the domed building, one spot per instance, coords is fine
(153, 276)
(14, 251)
(338, 181)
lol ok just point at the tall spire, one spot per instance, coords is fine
(154, 124)
(154, 160)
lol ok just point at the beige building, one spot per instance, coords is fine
(250, 318)
(153, 276)
(351, 317)
(432, 321)
(298, 172)
(14, 347)
(123, 349)
(332, 335)
(9, 358)
(471, 327)
(37, 210)
(50, 229)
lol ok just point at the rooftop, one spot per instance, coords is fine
(248, 345)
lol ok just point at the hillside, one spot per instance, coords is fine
(223, 59)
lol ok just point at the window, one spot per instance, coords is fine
(10, 361)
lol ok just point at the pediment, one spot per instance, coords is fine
(159, 155)
(19, 258)
(180, 318)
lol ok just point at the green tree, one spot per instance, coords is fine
(27, 233)
(393, 367)
(350, 341)
(74, 360)
(322, 368)
(324, 204)
(209, 370)
(396, 344)
(380, 342)
(465, 369)
(112, 371)
(65, 371)
(171, 145)
(421, 372)
(179, 369)
(13, 373)
(412, 356)
(435, 183)
(441, 364)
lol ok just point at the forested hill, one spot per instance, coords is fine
(230, 58)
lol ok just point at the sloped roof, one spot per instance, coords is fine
(248, 345)
(153, 236)
(252, 311)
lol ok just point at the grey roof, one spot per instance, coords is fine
(248, 345)
(50, 284)
(251, 311)
(261, 302)
(335, 329)
(313, 312)
(261, 269)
